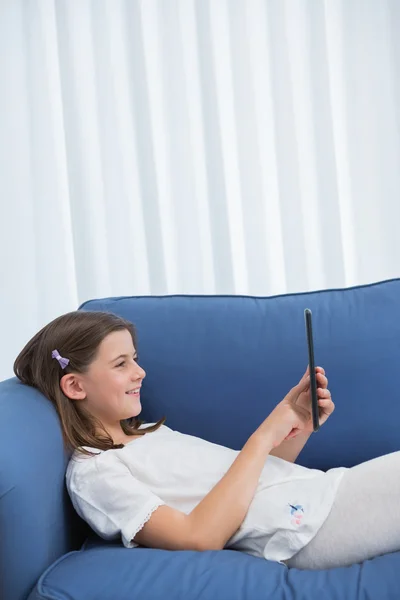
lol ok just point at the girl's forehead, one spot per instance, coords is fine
(117, 341)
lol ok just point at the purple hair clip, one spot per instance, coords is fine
(63, 361)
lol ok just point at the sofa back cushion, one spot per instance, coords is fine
(217, 365)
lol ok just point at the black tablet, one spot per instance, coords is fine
(311, 362)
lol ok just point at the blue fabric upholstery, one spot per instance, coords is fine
(114, 573)
(37, 523)
(216, 366)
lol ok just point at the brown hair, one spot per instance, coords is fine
(77, 336)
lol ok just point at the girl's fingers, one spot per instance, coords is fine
(323, 393)
(322, 380)
(327, 404)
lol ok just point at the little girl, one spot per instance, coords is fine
(155, 487)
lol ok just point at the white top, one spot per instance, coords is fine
(116, 491)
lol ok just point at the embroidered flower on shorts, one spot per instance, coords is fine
(297, 513)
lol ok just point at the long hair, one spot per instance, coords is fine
(77, 336)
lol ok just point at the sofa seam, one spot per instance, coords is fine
(274, 296)
(40, 583)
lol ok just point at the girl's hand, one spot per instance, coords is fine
(287, 419)
(325, 403)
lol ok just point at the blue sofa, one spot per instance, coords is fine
(216, 366)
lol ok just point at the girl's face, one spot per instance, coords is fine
(110, 389)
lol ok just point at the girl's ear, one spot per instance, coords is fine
(72, 387)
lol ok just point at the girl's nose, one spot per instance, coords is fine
(138, 373)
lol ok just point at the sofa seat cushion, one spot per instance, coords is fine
(111, 572)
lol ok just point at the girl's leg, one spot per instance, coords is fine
(364, 521)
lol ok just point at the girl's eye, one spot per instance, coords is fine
(121, 364)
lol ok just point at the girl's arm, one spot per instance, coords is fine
(290, 449)
(216, 518)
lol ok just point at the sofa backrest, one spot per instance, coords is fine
(216, 366)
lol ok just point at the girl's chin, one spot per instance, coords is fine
(135, 412)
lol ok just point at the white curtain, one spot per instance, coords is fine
(193, 146)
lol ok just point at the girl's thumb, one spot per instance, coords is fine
(304, 383)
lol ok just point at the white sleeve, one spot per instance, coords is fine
(109, 498)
